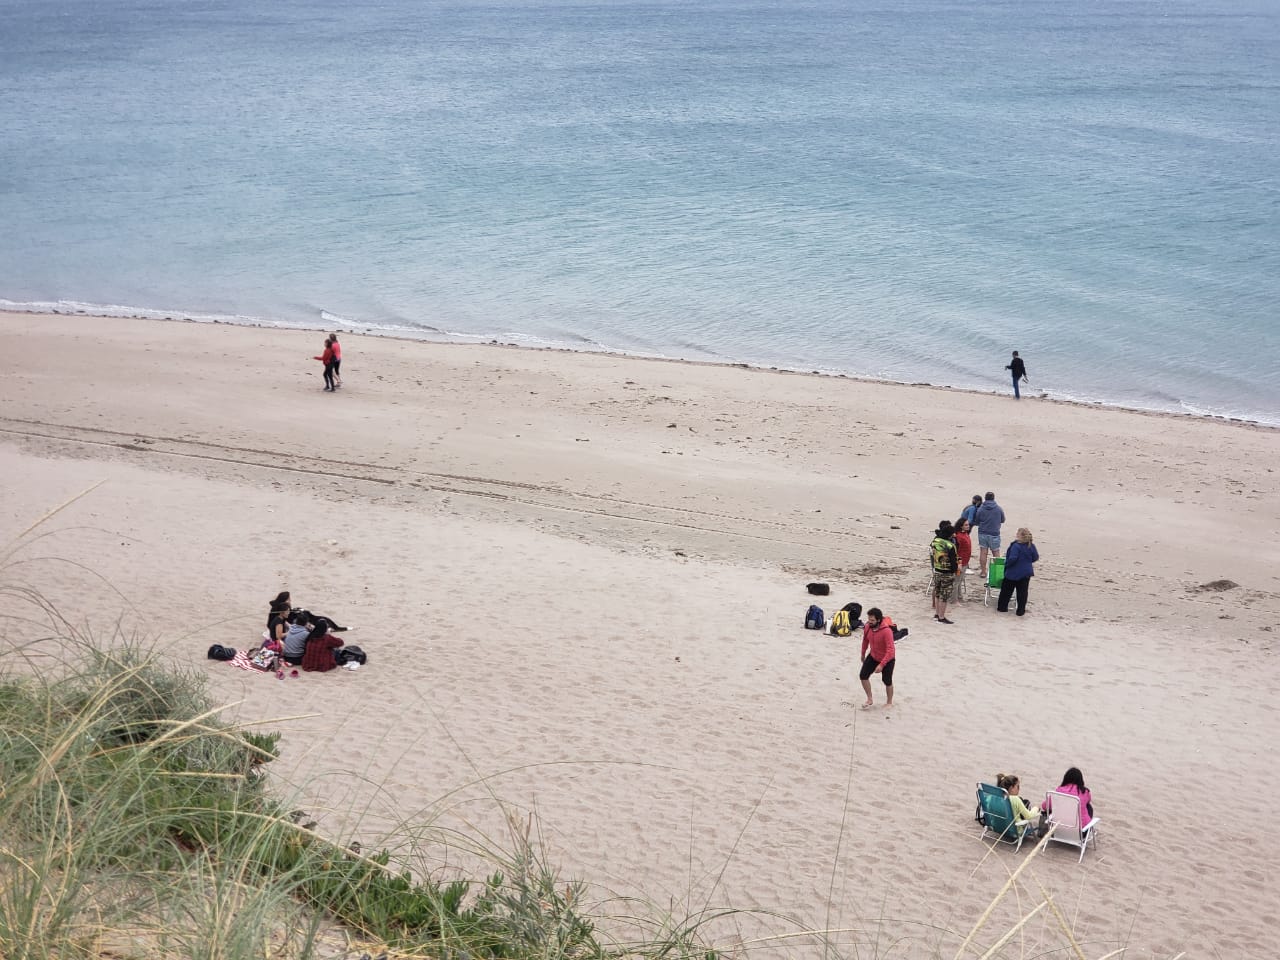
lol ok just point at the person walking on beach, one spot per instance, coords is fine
(878, 655)
(327, 359)
(942, 555)
(990, 517)
(337, 359)
(1018, 571)
(1019, 371)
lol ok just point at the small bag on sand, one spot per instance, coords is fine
(819, 589)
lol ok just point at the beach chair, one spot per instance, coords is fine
(995, 577)
(1064, 817)
(995, 813)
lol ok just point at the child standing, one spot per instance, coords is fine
(327, 359)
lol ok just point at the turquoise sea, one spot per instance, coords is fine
(903, 190)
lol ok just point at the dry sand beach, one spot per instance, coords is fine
(580, 581)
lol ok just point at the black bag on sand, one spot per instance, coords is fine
(219, 652)
(819, 589)
(348, 654)
(899, 633)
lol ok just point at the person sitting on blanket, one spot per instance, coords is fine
(309, 642)
(297, 631)
(278, 617)
(320, 652)
(280, 608)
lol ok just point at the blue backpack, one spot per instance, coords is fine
(814, 618)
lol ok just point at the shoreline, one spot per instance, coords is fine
(432, 335)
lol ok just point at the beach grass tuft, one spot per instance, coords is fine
(137, 823)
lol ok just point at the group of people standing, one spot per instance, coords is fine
(951, 550)
(332, 360)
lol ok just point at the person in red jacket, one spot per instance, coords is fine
(319, 653)
(964, 553)
(327, 359)
(878, 655)
(337, 359)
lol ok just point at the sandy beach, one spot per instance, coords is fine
(580, 580)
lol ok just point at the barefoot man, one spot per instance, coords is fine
(877, 655)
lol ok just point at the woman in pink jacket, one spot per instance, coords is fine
(877, 654)
(1073, 782)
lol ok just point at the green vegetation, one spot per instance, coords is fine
(136, 824)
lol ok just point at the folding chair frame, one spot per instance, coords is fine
(1086, 834)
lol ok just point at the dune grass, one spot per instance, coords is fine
(132, 815)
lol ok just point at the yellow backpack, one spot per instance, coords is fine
(841, 625)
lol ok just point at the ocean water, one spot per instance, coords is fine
(903, 190)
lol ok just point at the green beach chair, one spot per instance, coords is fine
(995, 577)
(995, 813)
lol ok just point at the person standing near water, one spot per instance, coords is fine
(1019, 371)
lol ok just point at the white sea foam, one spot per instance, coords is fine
(73, 307)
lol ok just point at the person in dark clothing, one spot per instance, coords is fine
(1018, 571)
(278, 618)
(1019, 371)
(327, 359)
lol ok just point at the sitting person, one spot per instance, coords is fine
(1073, 783)
(320, 645)
(278, 617)
(280, 608)
(297, 630)
(309, 642)
(1010, 784)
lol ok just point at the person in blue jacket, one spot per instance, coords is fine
(1018, 571)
